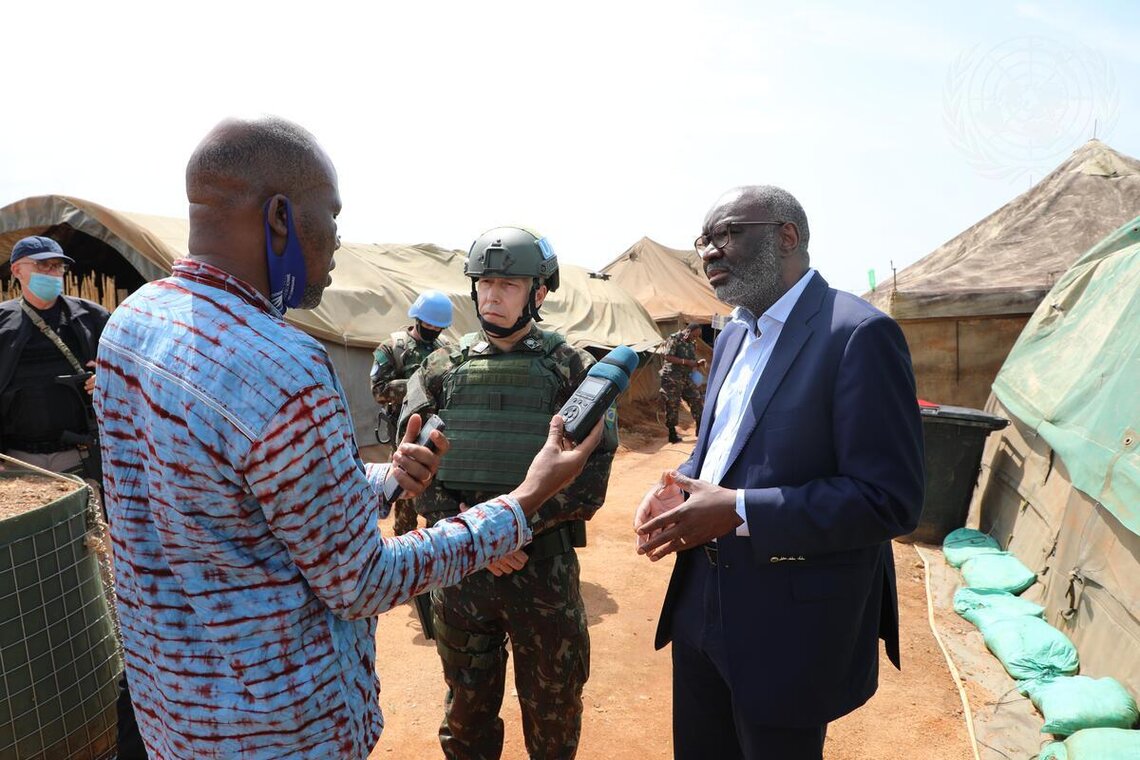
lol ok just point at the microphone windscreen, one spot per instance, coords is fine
(616, 366)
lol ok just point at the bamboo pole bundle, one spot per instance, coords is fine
(96, 287)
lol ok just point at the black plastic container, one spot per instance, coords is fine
(954, 437)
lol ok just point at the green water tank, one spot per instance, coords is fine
(59, 657)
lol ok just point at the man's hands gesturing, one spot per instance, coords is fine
(666, 522)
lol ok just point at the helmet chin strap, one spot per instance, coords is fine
(524, 318)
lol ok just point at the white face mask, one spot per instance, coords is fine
(46, 287)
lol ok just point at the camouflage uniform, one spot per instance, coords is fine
(393, 362)
(677, 382)
(539, 608)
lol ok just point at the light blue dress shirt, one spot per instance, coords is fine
(740, 383)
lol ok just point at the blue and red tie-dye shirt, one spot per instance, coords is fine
(249, 563)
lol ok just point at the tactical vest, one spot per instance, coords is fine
(407, 354)
(497, 408)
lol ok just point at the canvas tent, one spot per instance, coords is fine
(372, 288)
(963, 305)
(1060, 487)
(669, 283)
(672, 286)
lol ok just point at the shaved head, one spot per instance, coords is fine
(245, 161)
(256, 186)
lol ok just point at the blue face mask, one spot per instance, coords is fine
(45, 287)
(286, 270)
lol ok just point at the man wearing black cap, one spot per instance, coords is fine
(46, 336)
(48, 343)
(677, 381)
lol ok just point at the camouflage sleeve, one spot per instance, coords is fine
(425, 388)
(383, 372)
(425, 394)
(584, 496)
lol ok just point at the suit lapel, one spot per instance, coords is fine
(793, 336)
(724, 352)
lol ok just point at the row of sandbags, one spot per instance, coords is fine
(1096, 715)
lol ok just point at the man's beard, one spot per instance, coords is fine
(312, 296)
(757, 282)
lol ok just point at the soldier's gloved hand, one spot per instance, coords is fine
(413, 465)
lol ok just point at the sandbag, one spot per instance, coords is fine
(999, 572)
(983, 606)
(963, 543)
(1070, 703)
(1030, 648)
(1095, 744)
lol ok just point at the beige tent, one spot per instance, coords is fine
(669, 283)
(373, 286)
(672, 286)
(963, 306)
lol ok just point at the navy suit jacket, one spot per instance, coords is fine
(830, 456)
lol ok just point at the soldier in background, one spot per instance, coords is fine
(394, 361)
(677, 380)
(496, 391)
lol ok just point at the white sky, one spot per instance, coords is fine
(595, 123)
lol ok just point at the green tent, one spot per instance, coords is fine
(1074, 374)
(1059, 488)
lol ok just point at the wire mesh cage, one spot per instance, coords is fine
(59, 654)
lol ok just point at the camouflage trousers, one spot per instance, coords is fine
(540, 609)
(403, 516)
(673, 390)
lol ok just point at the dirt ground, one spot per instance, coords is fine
(23, 493)
(915, 714)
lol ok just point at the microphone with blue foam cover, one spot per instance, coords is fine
(604, 382)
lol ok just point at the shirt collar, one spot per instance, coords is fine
(207, 274)
(777, 312)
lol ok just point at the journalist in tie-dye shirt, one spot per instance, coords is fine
(249, 564)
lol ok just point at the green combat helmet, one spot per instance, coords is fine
(512, 252)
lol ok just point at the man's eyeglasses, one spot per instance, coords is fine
(50, 266)
(722, 236)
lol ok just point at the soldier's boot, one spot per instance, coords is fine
(673, 437)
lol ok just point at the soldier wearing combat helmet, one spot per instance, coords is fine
(497, 390)
(393, 362)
